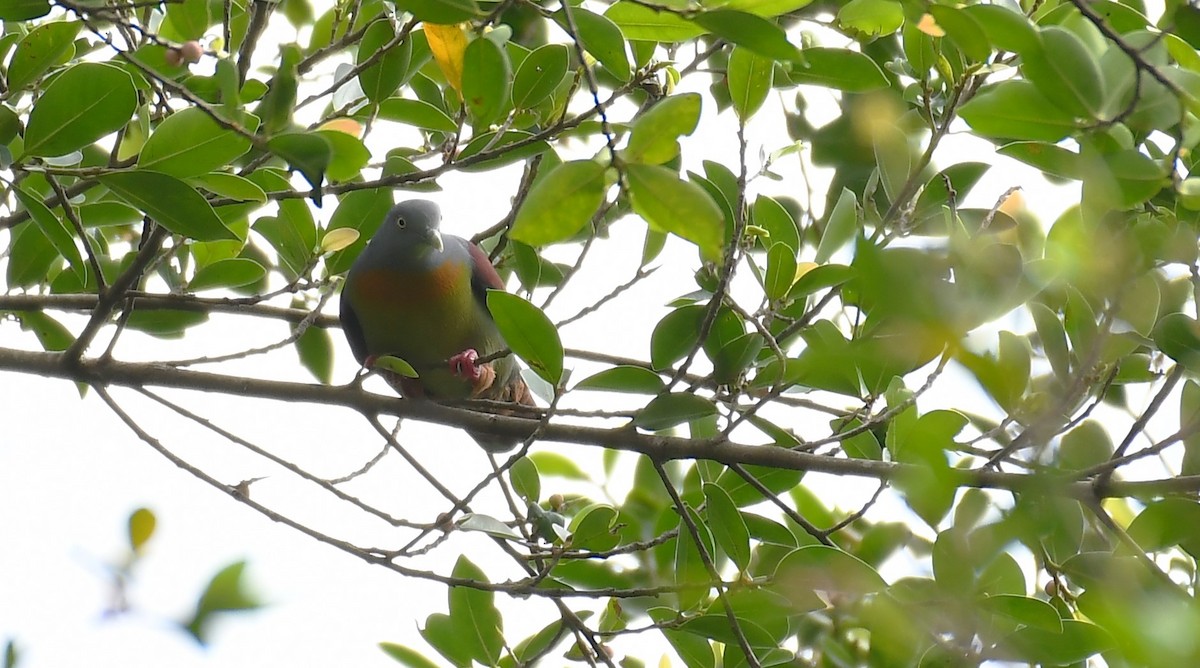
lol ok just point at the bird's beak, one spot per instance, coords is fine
(435, 240)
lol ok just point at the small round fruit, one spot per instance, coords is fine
(191, 51)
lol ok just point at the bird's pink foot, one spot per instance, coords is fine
(481, 376)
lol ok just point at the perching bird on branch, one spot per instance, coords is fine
(419, 295)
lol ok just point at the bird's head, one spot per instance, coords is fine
(411, 227)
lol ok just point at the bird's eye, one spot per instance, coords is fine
(401, 223)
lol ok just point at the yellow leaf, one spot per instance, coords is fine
(448, 43)
(803, 268)
(1013, 203)
(336, 240)
(345, 125)
(929, 26)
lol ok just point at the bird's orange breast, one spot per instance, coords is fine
(424, 317)
(406, 289)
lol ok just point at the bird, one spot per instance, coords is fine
(420, 295)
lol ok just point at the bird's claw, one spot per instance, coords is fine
(481, 376)
(463, 365)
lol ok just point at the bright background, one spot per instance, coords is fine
(71, 473)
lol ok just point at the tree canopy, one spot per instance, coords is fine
(1021, 389)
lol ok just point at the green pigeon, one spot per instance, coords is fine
(420, 295)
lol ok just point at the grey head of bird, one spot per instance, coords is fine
(409, 229)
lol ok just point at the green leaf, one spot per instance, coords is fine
(187, 20)
(768, 531)
(553, 464)
(840, 228)
(952, 565)
(417, 114)
(680, 207)
(474, 614)
(893, 156)
(871, 17)
(315, 348)
(863, 445)
(108, 214)
(81, 105)
(231, 186)
(964, 30)
(10, 124)
(170, 202)
(31, 255)
(444, 635)
(233, 272)
(532, 269)
(1053, 339)
(667, 410)
(54, 228)
(1065, 73)
(23, 10)
(819, 278)
(560, 203)
(1189, 414)
(529, 333)
(1178, 337)
(141, 527)
(675, 335)
(1137, 176)
(781, 271)
(362, 210)
(50, 333)
(348, 155)
(735, 356)
(695, 651)
(717, 627)
(919, 48)
(1166, 523)
(306, 152)
(653, 136)
(538, 644)
(749, 77)
(727, 525)
(487, 78)
(767, 7)
(383, 77)
(932, 203)
(642, 23)
(635, 379)
(1005, 28)
(601, 38)
(444, 12)
(820, 568)
(593, 528)
(44, 47)
(755, 33)
(190, 143)
(1077, 642)
(842, 69)
(690, 571)
(502, 150)
(406, 655)
(1050, 158)
(525, 480)
(1016, 109)
(775, 480)
(539, 74)
(226, 592)
(770, 215)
